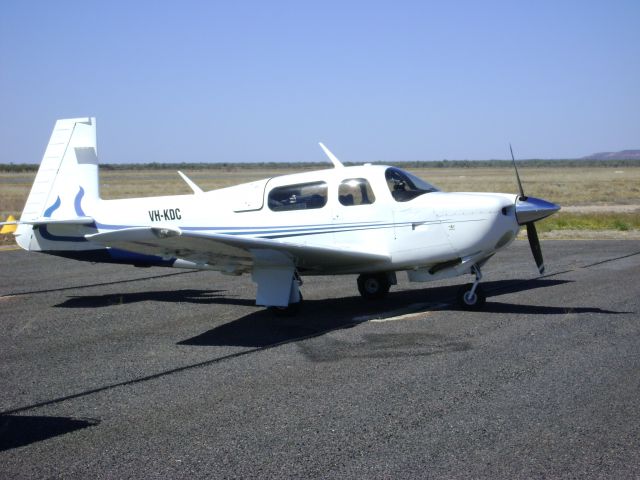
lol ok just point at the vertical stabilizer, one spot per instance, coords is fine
(67, 179)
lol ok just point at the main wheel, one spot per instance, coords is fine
(471, 302)
(373, 286)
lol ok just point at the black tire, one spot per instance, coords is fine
(373, 286)
(471, 303)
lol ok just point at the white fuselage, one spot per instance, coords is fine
(429, 229)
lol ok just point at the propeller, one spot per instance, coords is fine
(528, 211)
(534, 243)
(515, 167)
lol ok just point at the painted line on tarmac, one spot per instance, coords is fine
(408, 316)
(412, 312)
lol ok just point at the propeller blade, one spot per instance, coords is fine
(522, 195)
(534, 242)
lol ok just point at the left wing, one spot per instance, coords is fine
(213, 247)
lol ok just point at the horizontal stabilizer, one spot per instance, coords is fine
(50, 221)
(59, 221)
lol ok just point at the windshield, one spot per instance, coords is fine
(404, 186)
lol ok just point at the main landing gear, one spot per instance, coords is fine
(375, 285)
(471, 296)
(295, 299)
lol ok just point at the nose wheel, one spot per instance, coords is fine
(471, 296)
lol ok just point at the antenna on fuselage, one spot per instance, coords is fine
(336, 163)
(196, 189)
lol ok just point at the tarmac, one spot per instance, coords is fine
(111, 371)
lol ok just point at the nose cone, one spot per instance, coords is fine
(530, 209)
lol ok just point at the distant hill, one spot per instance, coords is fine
(621, 155)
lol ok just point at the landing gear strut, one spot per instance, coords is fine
(295, 299)
(471, 296)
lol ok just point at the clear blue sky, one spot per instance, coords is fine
(218, 81)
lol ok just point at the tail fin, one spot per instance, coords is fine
(68, 174)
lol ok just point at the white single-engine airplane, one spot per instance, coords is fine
(370, 220)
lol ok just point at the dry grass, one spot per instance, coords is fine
(612, 221)
(565, 186)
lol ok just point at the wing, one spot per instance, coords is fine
(217, 249)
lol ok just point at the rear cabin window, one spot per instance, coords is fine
(355, 191)
(405, 186)
(303, 196)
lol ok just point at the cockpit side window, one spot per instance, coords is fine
(355, 191)
(405, 186)
(302, 196)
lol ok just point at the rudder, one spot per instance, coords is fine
(68, 174)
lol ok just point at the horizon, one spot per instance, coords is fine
(444, 163)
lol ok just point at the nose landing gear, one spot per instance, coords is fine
(471, 296)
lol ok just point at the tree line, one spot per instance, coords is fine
(577, 163)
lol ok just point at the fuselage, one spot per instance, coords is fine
(370, 207)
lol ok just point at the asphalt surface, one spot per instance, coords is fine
(115, 372)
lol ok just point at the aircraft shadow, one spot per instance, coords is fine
(263, 328)
(213, 297)
(18, 431)
(171, 296)
(498, 307)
